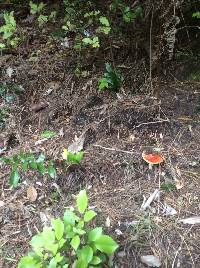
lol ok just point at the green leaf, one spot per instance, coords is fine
(87, 40)
(80, 224)
(58, 257)
(41, 158)
(89, 215)
(168, 186)
(94, 234)
(69, 233)
(86, 254)
(24, 166)
(80, 264)
(103, 83)
(75, 157)
(106, 244)
(196, 15)
(2, 46)
(42, 19)
(33, 164)
(78, 231)
(95, 42)
(104, 21)
(52, 248)
(95, 260)
(16, 159)
(109, 68)
(103, 29)
(103, 257)
(41, 6)
(61, 243)
(47, 134)
(29, 262)
(44, 240)
(82, 201)
(41, 168)
(33, 8)
(53, 263)
(75, 242)
(37, 241)
(70, 217)
(14, 178)
(51, 171)
(58, 226)
(7, 161)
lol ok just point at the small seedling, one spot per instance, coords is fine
(36, 8)
(8, 31)
(69, 242)
(168, 186)
(72, 158)
(93, 41)
(9, 91)
(128, 14)
(143, 229)
(42, 19)
(47, 134)
(104, 26)
(81, 73)
(196, 15)
(111, 79)
(25, 161)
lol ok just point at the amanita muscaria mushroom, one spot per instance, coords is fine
(152, 158)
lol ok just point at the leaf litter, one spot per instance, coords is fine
(151, 260)
(32, 193)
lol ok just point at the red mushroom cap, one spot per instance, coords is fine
(152, 158)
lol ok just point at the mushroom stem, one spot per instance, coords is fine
(150, 166)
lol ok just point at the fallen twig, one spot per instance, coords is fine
(113, 149)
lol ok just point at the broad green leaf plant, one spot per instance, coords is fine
(72, 158)
(23, 162)
(8, 30)
(38, 10)
(128, 14)
(70, 242)
(88, 23)
(111, 79)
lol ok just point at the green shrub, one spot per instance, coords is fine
(128, 14)
(111, 79)
(8, 31)
(68, 242)
(25, 161)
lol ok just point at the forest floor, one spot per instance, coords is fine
(116, 127)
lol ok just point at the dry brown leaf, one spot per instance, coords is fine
(32, 193)
(179, 184)
(52, 86)
(2, 203)
(77, 146)
(36, 107)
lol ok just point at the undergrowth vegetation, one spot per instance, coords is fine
(24, 161)
(104, 41)
(70, 242)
